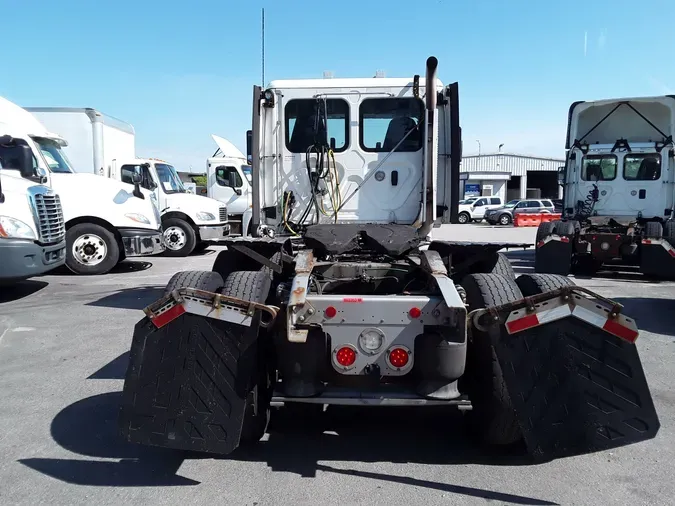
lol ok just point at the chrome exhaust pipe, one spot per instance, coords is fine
(430, 158)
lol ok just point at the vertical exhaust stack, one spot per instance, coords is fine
(430, 161)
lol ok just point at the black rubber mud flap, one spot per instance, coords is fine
(656, 261)
(575, 389)
(554, 257)
(186, 384)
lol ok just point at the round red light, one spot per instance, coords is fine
(330, 312)
(398, 357)
(345, 356)
(415, 312)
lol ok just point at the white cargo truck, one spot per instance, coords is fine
(101, 144)
(32, 229)
(106, 221)
(618, 190)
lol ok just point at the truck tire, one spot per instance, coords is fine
(208, 281)
(179, 237)
(499, 264)
(669, 232)
(253, 286)
(534, 284)
(653, 230)
(463, 217)
(565, 229)
(201, 246)
(492, 420)
(91, 249)
(545, 229)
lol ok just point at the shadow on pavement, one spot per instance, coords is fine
(649, 313)
(20, 290)
(130, 298)
(116, 369)
(124, 267)
(89, 428)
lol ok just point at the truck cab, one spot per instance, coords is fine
(106, 221)
(32, 230)
(228, 176)
(190, 222)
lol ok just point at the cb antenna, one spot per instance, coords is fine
(263, 48)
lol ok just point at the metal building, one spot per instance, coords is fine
(511, 176)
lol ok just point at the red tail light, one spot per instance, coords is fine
(415, 312)
(398, 357)
(330, 312)
(345, 356)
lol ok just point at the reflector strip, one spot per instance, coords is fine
(527, 322)
(620, 331)
(168, 316)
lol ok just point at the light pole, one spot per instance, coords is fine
(500, 147)
(478, 146)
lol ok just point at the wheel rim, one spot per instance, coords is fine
(504, 220)
(89, 249)
(175, 238)
(462, 218)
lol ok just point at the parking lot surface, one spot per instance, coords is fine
(63, 354)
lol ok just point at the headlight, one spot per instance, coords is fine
(204, 216)
(13, 228)
(138, 217)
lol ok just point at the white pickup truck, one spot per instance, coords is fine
(475, 210)
(104, 145)
(106, 221)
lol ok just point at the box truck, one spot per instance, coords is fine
(106, 221)
(101, 144)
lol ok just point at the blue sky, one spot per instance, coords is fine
(180, 71)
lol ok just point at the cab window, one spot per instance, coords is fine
(599, 168)
(224, 176)
(642, 167)
(127, 171)
(384, 122)
(302, 117)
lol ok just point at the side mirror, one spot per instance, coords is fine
(136, 178)
(25, 158)
(249, 143)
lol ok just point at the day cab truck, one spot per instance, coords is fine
(106, 221)
(228, 179)
(32, 230)
(618, 190)
(104, 145)
(341, 296)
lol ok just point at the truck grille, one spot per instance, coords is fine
(223, 214)
(50, 218)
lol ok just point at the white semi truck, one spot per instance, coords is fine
(618, 190)
(228, 179)
(101, 144)
(106, 221)
(32, 228)
(342, 297)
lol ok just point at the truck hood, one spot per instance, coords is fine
(228, 150)
(110, 200)
(191, 204)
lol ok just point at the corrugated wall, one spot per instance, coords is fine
(517, 165)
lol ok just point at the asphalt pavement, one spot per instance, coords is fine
(64, 344)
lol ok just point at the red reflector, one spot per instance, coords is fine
(168, 316)
(346, 356)
(415, 312)
(620, 331)
(526, 322)
(672, 252)
(398, 357)
(540, 244)
(646, 241)
(330, 312)
(564, 239)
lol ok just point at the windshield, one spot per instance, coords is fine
(168, 179)
(511, 203)
(55, 158)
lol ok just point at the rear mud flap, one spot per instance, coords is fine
(575, 387)
(657, 259)
(553, 255)
(187, 382)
